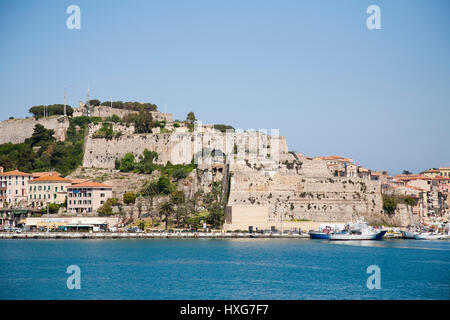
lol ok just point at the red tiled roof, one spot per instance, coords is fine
(15, 173)
(89, 185)
(41, 174)
(50, 178)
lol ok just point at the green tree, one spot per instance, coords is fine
(144, 121)
(150, 189)
(190, 118)
(216, 215)
(165, 187)
(41, 136)
(129, 197)
(127, 163)
(179, 174)
(177, 197)
(389, 204)
(166, 208)
(146, 163)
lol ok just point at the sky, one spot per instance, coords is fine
(311, 69)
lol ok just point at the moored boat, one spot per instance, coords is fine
(358, 231)
(376, 235)
(319, 235)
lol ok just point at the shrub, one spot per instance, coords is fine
(129, 197)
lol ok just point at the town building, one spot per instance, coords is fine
(16, 183)
(87, 197)
(47, 189)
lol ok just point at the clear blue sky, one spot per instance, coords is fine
(310, 68)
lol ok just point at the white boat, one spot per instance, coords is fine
(429, 236)
(358, 231)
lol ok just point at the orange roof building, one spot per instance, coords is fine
(87, 197)
(47, 189)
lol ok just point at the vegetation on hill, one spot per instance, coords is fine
(53, 109)
(135, 106)
(223, 127)
(41, 152)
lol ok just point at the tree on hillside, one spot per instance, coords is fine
(41, 136)
(177, 197)
(406, 172)
(150, 189)
(389, 204)
(166, 208)
(127, 163)
(190, 118)
(165, 187)
(146, 163)
(143, 122)
(129, 197)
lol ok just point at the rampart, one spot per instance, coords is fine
(17, 130)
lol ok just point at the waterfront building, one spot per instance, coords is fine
(444, 172)
(87, 197)
(14, 187)
(47, 189)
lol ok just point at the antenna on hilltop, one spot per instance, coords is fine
(65, 102)
(88, 105)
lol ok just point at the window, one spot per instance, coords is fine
(102, 195)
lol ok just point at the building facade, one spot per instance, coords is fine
(87, 197)
(14, 187)
(47, 189)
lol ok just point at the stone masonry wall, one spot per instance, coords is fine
(17, 130)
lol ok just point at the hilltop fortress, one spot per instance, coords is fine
(265, 184)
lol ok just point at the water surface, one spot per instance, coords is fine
(224, 269)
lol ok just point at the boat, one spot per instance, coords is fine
(429, 236)
(319, 235)
(409, 234)
(323, 233)
(358, 231)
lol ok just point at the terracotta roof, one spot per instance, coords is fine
(77, 181)
(89, 185)
(41, 174)
(15, 173)
(431, 170)
(444, 168)
(50, 178)
(441, 178)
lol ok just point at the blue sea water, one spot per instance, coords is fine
(224, 269)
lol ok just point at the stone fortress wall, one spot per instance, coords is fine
(17, 130)
(300, 190)
(106, 112)
(289, 191)
(178, 147)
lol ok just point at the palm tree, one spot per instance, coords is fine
(166, 208)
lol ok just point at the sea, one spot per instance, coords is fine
(269, 269)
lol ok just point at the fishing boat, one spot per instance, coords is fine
(319, 235)
(323, 233)
(358, 231)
